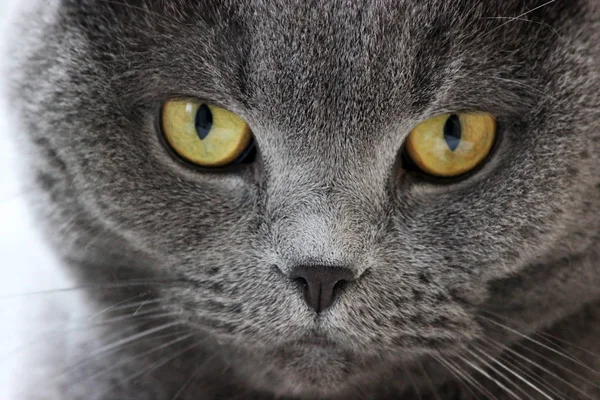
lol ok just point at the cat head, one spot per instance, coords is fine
(330, 193)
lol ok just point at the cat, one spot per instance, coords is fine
(326, 251)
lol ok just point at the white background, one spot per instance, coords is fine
(25, 264)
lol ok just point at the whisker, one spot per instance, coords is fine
(556, 364)
(429, 381)
(547, 337)
(117, 285)
(478, 384)
(71, 368)
(152, 313)
(107, 349)
(194, 376)
(132, 338)
(458, 374)
(67, 227)
(511, 19)
(412, 381)
(552, 339)
(522, 369)
(516, 375)
(537, 365)
(576, 361)
(44, 335)
(154, 366)
(499, 373)
(491, 378)
(527, 20)
(144, 354)
(137, 304)
(107, 309)
(148, 301)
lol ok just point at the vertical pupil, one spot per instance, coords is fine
(452, 132)
(204, 120)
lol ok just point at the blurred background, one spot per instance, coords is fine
(26, 265)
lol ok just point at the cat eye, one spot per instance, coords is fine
(450, 145)
(204, 134)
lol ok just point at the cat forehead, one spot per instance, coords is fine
(325, 22)
(342, 57)
(331, 14)
(213, 11)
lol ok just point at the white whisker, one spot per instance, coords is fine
(412, 381)
(92, 286)
(511, 19)
(153, 314)
(546, 336)
(137, 296)
(526, 20)
(144, 354)
(491, 378)
(537, 365)
(189, 381)
(522, 369)
(512, 372)
(154, 366)
(461, 376)
(105, 350)
(576, 361)
(430, 382)
(142, 305)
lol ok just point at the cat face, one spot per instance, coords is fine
(331, 93)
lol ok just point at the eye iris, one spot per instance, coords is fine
(204, 134)
(449, 145)
(204, 121)
(452, 132)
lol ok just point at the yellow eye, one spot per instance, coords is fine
(451, 144)
(204, 134)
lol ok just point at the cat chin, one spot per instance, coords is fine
(309, 369)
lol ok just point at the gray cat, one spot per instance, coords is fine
(292, 199)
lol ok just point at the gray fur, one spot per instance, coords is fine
(331, 89)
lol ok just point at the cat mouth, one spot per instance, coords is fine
(316, 341)
(311, 345)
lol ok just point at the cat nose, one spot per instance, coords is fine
(321, 283)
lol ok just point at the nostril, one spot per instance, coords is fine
(301, 282)
(321, 284)
(339, 286)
